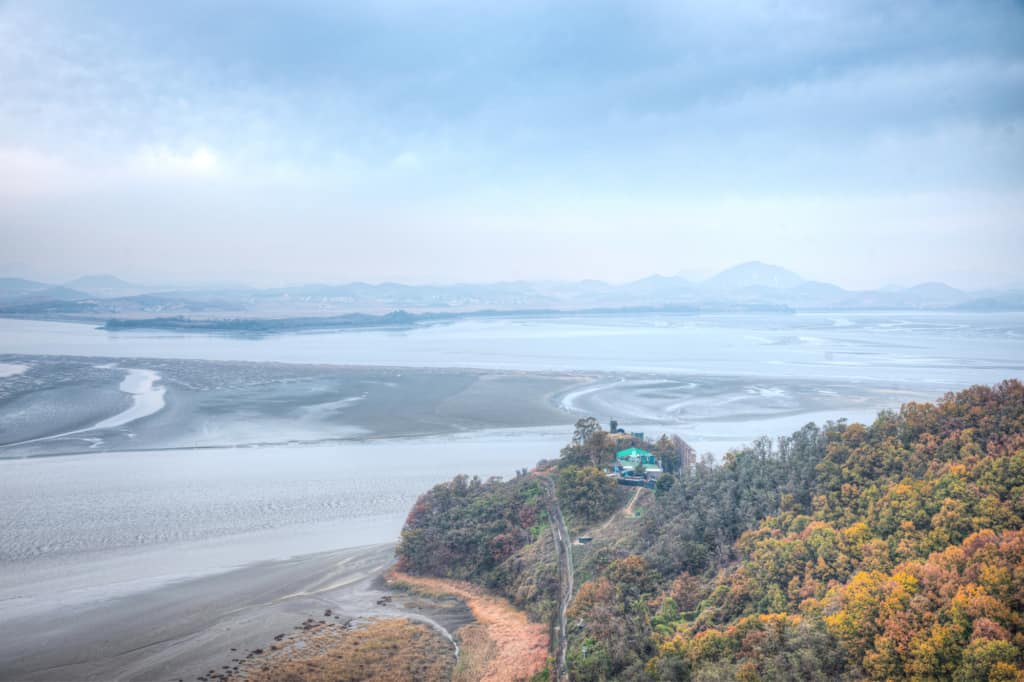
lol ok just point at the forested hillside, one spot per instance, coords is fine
(889, 551)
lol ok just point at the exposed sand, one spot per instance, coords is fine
(147, 399)
(9, 369)
(66, 405)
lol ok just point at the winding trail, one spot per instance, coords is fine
(628, 511)
(565, 570)
(625, 511)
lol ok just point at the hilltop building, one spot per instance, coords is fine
(631, 457)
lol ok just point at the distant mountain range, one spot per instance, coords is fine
(748, 286)
(754, 274)
(105, 286)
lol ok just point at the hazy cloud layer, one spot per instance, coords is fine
(864, 143)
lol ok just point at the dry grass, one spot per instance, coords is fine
(388, 650)
(506, 647)
(476, 651)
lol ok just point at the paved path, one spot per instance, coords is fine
(565, 568)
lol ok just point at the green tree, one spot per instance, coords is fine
(585, 428)
(590, 446)
(667, 453)
(586, 493)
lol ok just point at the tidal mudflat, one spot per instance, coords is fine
(186, 628)
(109, 553)
(134, 465)
(70, 404)
(718, 380)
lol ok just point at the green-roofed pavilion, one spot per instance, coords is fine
(634, 456)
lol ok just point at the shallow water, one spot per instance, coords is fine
(105, 524)
(936, 348)
(79, 528)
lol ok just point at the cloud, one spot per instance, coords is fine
(530, 117)
(27, 173)
(201, 161)
(407, 161)
(31, 174)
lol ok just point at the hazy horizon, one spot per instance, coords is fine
(861, 144)
(692, 278)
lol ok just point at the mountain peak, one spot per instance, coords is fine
(101, 280)
(105, 285)
(754, 274)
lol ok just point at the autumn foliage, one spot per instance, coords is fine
(467, 528)
(886, 551)
(905, 561)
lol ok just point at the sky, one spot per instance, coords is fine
(861, 143)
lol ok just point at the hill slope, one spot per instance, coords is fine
(754, 274)
(104, 285)
(889, 551)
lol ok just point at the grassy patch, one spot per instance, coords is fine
(502, 645)
(477, 650)
(389, 650)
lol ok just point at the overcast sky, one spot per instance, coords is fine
(860, 143)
